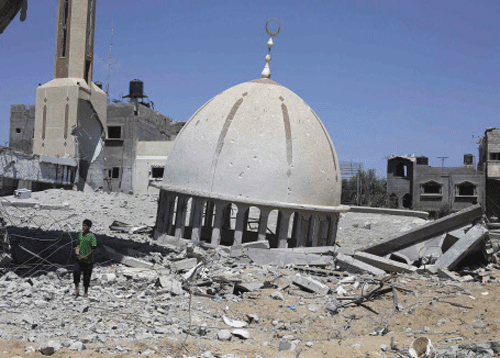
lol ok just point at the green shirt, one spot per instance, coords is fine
(87, 243)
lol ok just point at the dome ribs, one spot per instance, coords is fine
(222, 136)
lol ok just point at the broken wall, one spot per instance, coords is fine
(137, 122)
(22, 125)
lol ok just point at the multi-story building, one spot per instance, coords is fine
(413, 184)
(489, 161)
(136, 144)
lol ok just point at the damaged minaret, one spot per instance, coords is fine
(70, 114)
(259, 153)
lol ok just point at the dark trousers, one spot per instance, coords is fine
(86, 269)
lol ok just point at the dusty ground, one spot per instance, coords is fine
(447, 312)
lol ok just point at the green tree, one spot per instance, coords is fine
(365, 189)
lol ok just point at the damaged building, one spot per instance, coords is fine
(489, 161)
(413, 184)
(116, 145)
(259, 153)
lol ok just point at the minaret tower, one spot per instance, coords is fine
(70, 114)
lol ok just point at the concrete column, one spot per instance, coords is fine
(196, 211)
(312, 235)
(303, 229)
(170, 216)
(240, 224)
(263, 218)
(323, 230)
(180, 216)
(220, 208)
(160, 223)
(284, 223)
(166, 202)
(226, 223)
(332, 229)
(297, 223)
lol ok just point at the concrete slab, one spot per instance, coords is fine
(384, 263)
(422, 233)
(126, 260)
(185, 264)
(462, 248)
(350, 264)
(279, 258)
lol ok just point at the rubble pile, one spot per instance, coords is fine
(438, 280)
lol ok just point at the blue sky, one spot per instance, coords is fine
(386, 77)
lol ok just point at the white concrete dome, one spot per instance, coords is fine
(257, 143)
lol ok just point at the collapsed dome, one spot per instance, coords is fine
(256, 143)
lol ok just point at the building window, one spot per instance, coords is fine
(494, 156)
(157, 173)
(18, 130)
(402, 170)
(113, 173)
(114, 132)
(466, 189)
(64, 32)
(431, 188)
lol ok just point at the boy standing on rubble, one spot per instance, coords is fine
(86, 246)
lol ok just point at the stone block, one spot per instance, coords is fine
(310, 284)
(384, 263)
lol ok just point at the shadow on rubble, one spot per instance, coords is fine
(36, 251)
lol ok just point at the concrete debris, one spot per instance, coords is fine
(171, 285)
(224, 335)
(383, 263)
(240, 333)
(185, 264)
(5, 259)
(125, 260)
(49, 348)
(234, 323)
(350, 264)
(143, 290)
(462, 247)
(131, 229)
(424, 232)
(310, 284)
(279, 258)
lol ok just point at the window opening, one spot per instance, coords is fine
(157, 172)
(431, 188)
(466, 189)
(402, 170)
(18, 130)
(114, 172)
(114, 132)
(494, 156)
(64, 32)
